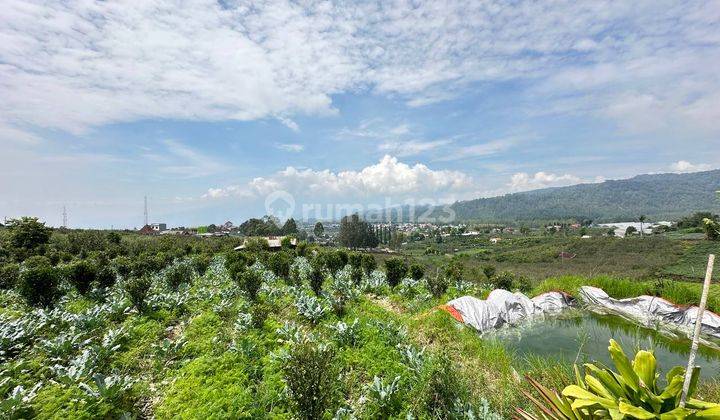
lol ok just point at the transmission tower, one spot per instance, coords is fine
(64, 218)
(146, 212)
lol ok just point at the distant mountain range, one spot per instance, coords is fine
(657, 196)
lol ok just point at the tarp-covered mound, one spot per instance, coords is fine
(505, 308)
(652, 312)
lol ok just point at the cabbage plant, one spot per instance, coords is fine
(632, 391)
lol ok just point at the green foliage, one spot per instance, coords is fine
(316, 275)
(267, 226)
(441, 388)
(489, 271)
(504, 280)
(711, 228)
(9, 274)
(310, 373)
(290, 227)
(137, 289)
(27, 236)
(395, 270)
(81, 274)
(696, 220)
(210, 387)
(416, 271)
(319, 229)
(122, 266)
(368, 263)
(632, 391)
(454, 271)
(279, 263)
(201, 262)
(250, 282)
(38, 281)
(356, 233)
(438, 285)
(181, 272)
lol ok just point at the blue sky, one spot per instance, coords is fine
(208, 108)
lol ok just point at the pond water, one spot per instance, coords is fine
(584, 337)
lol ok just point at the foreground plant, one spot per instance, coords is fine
(631, 392)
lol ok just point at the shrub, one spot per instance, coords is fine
(201, 262)
(395, 270)
(504, 280)
(522, 284)
(316, 276)
(138, 289)
(9, 274)
(279, 263)
(81, 274)
(105, 277)
(368, 263)
(122, 266)
(334, 261)
(250, 282)
(489, 271)
(417, 271)
(454, 271)
(442, 388)
(356, 275)
(310, 374)
(179, 273)
(437, 285)
(38, 281)
(355, 259)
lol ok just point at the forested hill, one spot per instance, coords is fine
(659, 197)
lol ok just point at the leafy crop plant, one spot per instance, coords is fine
(630, 393)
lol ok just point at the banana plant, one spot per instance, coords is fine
(630, 392)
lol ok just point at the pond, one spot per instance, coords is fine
(584, 337)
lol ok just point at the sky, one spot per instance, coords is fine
(220, 110)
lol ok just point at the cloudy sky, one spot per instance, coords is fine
(209, 107)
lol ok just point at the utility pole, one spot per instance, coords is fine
(146, 212)
(64, 218)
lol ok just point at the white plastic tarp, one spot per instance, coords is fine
(506, 308)
(651, 312)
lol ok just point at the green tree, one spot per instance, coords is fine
(81, 275)
(27, 236)
(395, 270)
(356, 233)
(38, 281)
(319, 229)
(310, 373)
(417, 271)
(290, 227)
(630, 230)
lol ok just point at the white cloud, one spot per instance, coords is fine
(522, 181)
(388, 177)
(682, 166)
(290, 147)
(481, 149)
(79, 64)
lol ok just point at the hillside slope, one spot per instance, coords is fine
(658, 196)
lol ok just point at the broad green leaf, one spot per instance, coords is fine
(676, 414)
(576, 392)
(637, 412)
(693, 403)
(608, 380)
(676, 371)
(709, 414)
(645, 367)
(597, 387)
(622, 364)
(578, 377)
